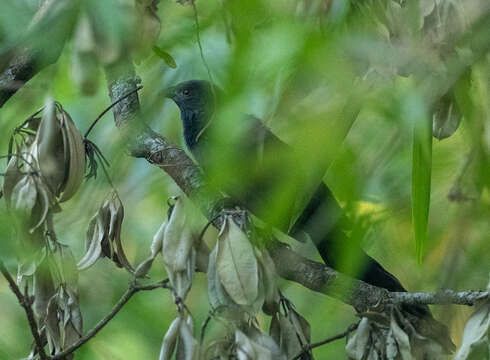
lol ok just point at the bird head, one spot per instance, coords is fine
(196, 103)
(191, 95)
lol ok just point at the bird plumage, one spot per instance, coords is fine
(261, 161)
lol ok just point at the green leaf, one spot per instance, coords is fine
(169, 60)
(421, 177)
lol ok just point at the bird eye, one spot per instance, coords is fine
(186, 92)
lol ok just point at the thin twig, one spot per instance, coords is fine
(198, 37)
(25, 303)
(327, 341)
(110, 107)
(128, 294)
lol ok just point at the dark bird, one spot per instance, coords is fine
(263, 170)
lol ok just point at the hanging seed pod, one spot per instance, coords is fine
(170, 340)
(156, 247)
(188, 347)
(104, 235)
(59, 152)
(179, 255)
(236, 264)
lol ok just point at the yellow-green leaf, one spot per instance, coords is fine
(169, 60)
(421, 179)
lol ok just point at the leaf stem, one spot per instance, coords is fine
(327, 341)
(110, 107)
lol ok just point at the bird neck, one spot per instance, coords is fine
(194, 122)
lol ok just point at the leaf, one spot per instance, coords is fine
(45, 200)
(236, 264)
(357, 344)
(269, 277)
(476, 336)
(421, 179)
(245, 349)
(169, 60)
(446, 118)
(84, 61)
(24, 195)
(143, 268)
(117, 215)
(190, 346)
(11, 178)
(157, 243)
(169, 340)
(95, 235)
(217, 295)
(402, 340)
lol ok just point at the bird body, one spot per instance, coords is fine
(258, 170)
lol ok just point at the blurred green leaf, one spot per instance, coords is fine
(421, 177)
(169, 60)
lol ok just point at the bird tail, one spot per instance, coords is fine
(325, 223)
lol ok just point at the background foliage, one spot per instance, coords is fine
(302, 67)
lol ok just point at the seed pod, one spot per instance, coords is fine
(104, 235)
(170, 340)
(59, 151)
(236, 264)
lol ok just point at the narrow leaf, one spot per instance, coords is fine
(421, 178)
(165, 56)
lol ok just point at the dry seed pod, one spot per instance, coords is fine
(188, 347)
(236, 264)
(59, 151)
(170, 340)
(268, 277)
(104, 235)
(179, 237)
(156, 247)
(179, 255)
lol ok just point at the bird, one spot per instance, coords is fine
(259, 161)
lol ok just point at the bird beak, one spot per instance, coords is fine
(170, 92)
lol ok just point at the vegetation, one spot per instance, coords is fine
(386, 101)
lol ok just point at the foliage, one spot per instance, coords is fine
(357, 88)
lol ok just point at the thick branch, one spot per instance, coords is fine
(128, 294)
(25, 303)
(40, 46)
(319, 277)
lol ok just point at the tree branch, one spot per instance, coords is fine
(40, 46)
(128, 294)
(26, 304)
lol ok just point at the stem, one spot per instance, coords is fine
(128, 294)
(25, 303)
(110, 107)
(326, 341)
